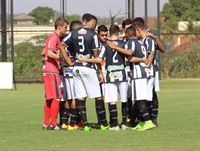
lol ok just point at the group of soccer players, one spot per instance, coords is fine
(86, 64)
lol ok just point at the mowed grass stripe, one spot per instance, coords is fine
(21, 117)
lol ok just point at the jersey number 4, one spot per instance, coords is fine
(81, 43)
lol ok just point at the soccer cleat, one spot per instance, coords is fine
(154, 120)
(76, 126)
(124, 127)
(147, 126)
(128, 120)
(64, 126)
(45, 127)
(80, 125)
(87, 128)
(103, 128)
(116, 128)
(71, 128)
(56, 127)
(138, 126)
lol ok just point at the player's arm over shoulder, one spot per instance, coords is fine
(160, 45)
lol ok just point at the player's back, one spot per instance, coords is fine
(84, 42)
(115, 62)
(137, 47)
(113, 57)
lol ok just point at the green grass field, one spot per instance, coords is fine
(21, 119)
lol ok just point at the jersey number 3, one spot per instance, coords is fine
(81, 43)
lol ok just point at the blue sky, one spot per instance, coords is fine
(97, 7)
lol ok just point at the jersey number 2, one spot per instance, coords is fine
(81, 43)
(114, 57)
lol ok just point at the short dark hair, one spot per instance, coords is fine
(88, 17)
(114, 29)
(138, 25)
(126, 22)
(139, 20)
(73, 24)
(60, 22)
(131, 31)
(102, 28)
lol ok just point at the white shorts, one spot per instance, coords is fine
(63, 88)
(111, 92)
(156, 82)
(70, 88)
(86, 83)
(139, 89)
(129, 91)
(103, 88)
(150, 84)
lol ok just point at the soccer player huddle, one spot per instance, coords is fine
(104, 66)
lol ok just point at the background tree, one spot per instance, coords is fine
(71, 18)
(179, 10)
(27, 61)
(43, 15)
(39, 40)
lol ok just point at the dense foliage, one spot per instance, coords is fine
(181, 64)
(43, 15)
(27, 64)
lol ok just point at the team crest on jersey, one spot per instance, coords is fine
(141, 42)
(116, 43)
(82, 31)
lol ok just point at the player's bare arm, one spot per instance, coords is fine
(150, 59)
(90, 60)
(52, 55)
(160, 45)
(64, 55)
(122, 50)
(44, 60)
(136, 60)
(101, 77)
(43, 52)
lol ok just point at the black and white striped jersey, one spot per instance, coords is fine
(139, 70)
(84, 41)
(151, 47)
(115, 62)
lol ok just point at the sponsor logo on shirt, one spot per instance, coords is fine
(82, 31)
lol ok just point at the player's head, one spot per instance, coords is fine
(126, 23)
(102, 33)
(75, 25)
(61, 25)
(86, 17)
(114, 30)
(130, 32)
(140, 29)
(138, 20)
(89, 20)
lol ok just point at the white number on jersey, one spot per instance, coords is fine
(81, 43)
(144, 51)
(114, 57)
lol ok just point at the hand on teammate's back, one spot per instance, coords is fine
(151, 35)
(111, 44)
(82, 59)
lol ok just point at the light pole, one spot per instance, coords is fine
(158, 31)
(133, 5)
(3, 31)
(145, 13)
